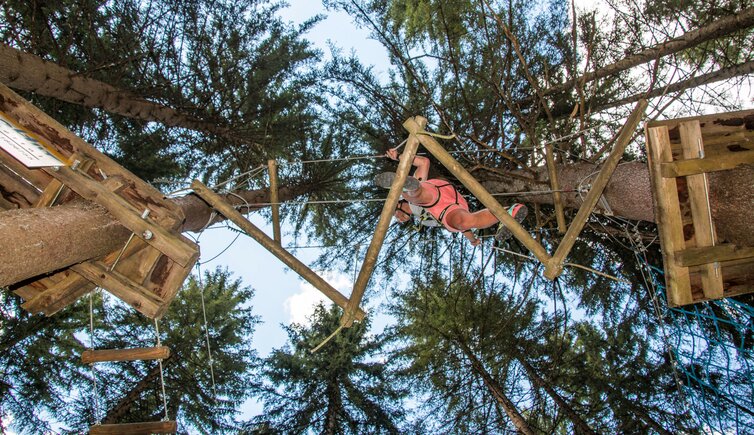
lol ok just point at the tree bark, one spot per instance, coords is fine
(116, 413)
(497, 392)
(578, 423)
(27, 72)
(36, 241)
(722, 27)
(629, 195)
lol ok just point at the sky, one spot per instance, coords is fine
(282, 297)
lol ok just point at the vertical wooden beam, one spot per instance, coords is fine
(555, 266)
(555, 186)
(704, 229)
(477, 189)
(219, 204)
(388, 210)
(272, 168)
(668, 217)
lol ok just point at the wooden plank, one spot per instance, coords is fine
(704, 230)
(555, 186)
(141, 299)
(477, 190)
(554, 267)
(61, 140)
(219, 204)
(667, 217)
(134, 354)
(272, 168)
(17, 190)
(728, 119)
(710, 254)
(55, 188)
(388, 210)
(172, 246)
(147, 428)
(719, 162)
(73, 283)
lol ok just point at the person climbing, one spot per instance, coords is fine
(443, 202)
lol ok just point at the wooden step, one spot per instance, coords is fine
(135, 354)
(134, 428)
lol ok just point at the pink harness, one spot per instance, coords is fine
(446, 201)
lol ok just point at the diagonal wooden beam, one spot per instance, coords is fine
(370, 259)
(219, 204)
(477, 189)
(554, 267)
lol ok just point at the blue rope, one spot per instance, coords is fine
(715, 367)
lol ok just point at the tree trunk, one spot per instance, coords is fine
(579, 424)
(629, 195)
(722, 27)
(36, 241)
(24, 71)
(497, 392)
(116, 413)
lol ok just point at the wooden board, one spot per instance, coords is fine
(158, 259)
(680, 153)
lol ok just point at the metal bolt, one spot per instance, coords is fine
(147, 235)
(75, 164)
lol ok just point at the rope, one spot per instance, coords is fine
(91, 365)
(162, 378)
(589, 269)
(206, 324)
(336, 332)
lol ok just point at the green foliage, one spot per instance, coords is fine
(342, 388)
(45, 385)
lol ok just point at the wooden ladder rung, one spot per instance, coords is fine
(134, 428)
(135, 354)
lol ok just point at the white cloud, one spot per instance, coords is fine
(301, 305)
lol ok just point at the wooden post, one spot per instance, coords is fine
(554, 267)
(219, 204)
(667, 216)
(555, 186)
(388, 210)
(704, 229)
(272, 168)
(181, 251)
(134, 354)
(147, 428)
(476, 189)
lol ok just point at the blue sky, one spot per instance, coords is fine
(282, 297)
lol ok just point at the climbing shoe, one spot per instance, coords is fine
(385, 180)
(517, 212)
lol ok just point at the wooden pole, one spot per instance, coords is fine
(476, 189)
(668, 217)
(554, 267)
(134, 354)
(272, 167)
(218, 203)
(388, 210)
(555, 186)
(701, 214)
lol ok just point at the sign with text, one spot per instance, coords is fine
(23, 147)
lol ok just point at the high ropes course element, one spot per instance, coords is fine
(417, 135)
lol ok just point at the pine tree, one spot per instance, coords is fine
(342, 388)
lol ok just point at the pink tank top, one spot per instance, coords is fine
(446, 200)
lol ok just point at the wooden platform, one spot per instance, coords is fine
(698, 267)
(149, 270)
